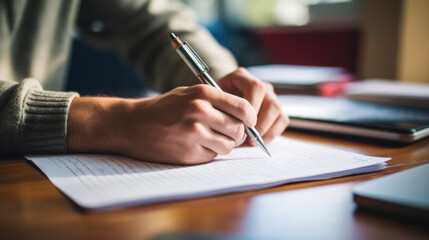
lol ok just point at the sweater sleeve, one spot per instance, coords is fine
(139, 30)
(32, 120)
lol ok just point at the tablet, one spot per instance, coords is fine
(405, 193)
(356, 118)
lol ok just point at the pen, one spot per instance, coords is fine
(200, 69)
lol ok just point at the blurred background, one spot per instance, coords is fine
(386, 39)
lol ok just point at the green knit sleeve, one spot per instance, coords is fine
(32, 120)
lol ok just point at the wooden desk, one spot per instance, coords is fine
(32, 208)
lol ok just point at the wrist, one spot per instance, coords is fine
(95, 124)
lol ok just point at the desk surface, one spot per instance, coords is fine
(32, 208)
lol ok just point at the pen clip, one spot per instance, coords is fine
(196, 56)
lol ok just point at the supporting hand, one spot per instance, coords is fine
(271, 121)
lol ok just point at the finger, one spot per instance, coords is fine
(269, 87)
(252, 89)
(276, 129)
(185, 156)
(232, 105)
(202, 112)
(268, 114)
(228, 126)
(217, 142)
(208, 153)
(201, 155)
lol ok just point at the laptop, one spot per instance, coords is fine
(356, 118)
(405, 193)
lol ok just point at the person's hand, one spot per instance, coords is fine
(187, 125)
(271, 121)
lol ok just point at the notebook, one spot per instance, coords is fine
(98, 182)
(405, 193)
(350, 117)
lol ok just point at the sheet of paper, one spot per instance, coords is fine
(111, 181)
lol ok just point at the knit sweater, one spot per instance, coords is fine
(35, 37)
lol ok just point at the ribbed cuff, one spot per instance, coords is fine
(43, 127)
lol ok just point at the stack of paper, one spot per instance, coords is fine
(110, 181)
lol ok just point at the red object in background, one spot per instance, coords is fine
(335, 88)
(332, 88)
(303, 80)
(311, 47)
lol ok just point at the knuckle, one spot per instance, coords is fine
(241, 69)
(242, 108)
(285, 120)
(197, 107)
(241, 137)
(196, 129)
(269, 86)
(199, 91)
(231, 146)
(277, 107)
(228, 146)
(258, 85)
(238, 133)
(246, 113)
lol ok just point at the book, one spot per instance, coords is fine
(100, 182)
(341, 115)
(296, 79)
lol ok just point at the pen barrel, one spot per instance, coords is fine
(252, 133)
(205, 78)
(256, 138)
(188, 55)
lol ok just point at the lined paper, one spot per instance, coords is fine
(96, 181)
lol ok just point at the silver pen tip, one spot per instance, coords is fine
(261, 144)
(266, 150)
(256, 138)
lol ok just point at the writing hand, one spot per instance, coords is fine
(187, 125)
(271, 121)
